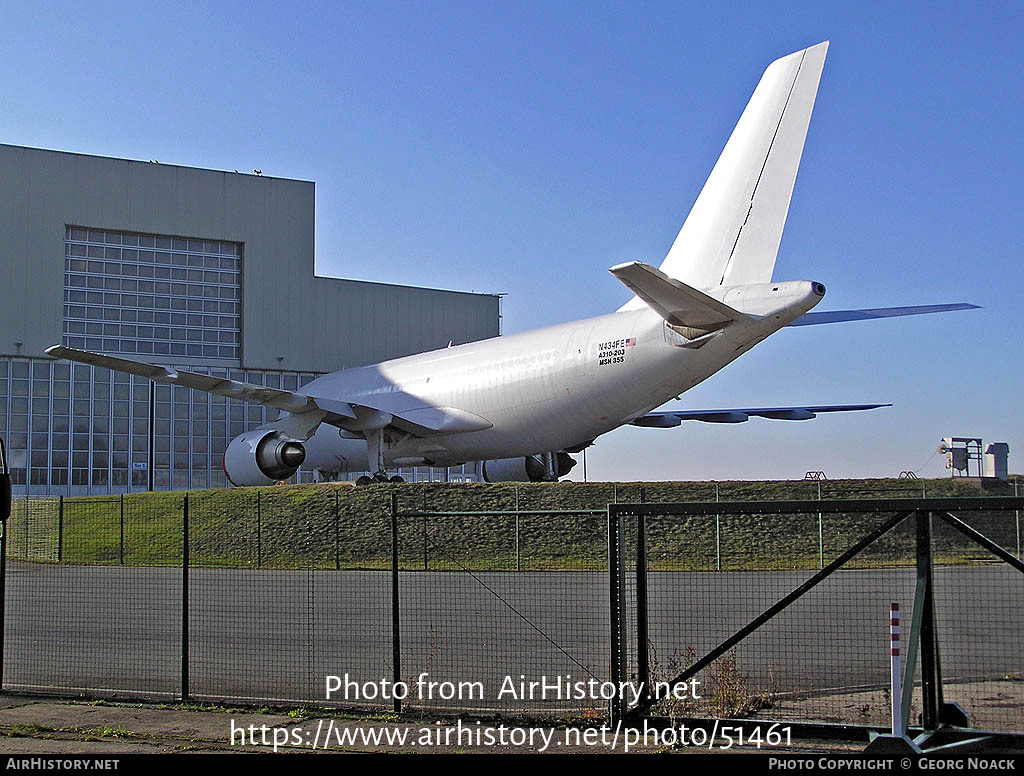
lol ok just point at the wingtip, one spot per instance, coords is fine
(625, 265)
(53, 349)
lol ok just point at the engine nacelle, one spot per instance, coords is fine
(530, 468)
(262, 457)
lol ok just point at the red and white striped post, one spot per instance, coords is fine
(895, 688)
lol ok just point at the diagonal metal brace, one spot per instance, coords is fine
(981, 539)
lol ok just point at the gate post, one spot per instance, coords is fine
(616, 612)
(5, 513)
(60, 529)
(931, 680)
(396, 622)
(184, 600)
(642, 647)
(935, 711)
(1016, 519)
(259, 533)
(517, 557)
(718, 533)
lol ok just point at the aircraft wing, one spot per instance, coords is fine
(836, 316)
(305, 412)
(673, 418)
(290, 401)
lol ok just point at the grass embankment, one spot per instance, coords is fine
(338, 526)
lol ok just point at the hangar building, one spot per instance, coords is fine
(211, 271)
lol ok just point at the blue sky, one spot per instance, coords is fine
(526, 147)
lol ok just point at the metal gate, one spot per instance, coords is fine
(778, 613)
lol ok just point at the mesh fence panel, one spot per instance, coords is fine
(825, 658)
(979, 602)
(33, 530)
(492, 602)
(107, 617)
(284, 594)
(288, 586)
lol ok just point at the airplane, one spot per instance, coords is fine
(523, 403)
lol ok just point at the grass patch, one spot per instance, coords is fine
(335, 526)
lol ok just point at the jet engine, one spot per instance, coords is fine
(530, 468)
(262, 457)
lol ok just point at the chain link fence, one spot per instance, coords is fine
(262, 595)
(701, 580)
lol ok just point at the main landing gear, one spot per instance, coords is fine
(375, 448)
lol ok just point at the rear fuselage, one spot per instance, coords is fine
(547, 389)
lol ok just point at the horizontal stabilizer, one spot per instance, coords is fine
(837, 316)
(674, 418)
(673, 300)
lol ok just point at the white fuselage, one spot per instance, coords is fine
(543, 390)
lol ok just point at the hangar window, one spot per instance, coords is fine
(219, 334)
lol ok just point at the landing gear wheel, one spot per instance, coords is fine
(364, 480)
(397, 478)
(380, 477)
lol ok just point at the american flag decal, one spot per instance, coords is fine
(630, 342)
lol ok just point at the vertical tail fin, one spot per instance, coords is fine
(732, 234)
